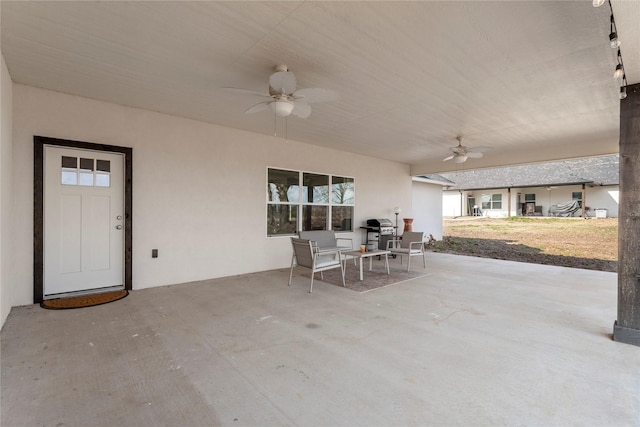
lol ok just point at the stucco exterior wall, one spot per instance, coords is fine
(6, 194)
(199, 190)
(427, 209)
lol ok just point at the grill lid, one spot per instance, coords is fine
(379, 222)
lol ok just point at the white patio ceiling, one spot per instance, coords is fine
(531, 79)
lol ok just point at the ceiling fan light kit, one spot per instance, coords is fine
(281, 108)
(460, 159)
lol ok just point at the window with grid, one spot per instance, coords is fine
(301, 201)
(492, 201)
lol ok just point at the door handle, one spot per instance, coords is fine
(118, 227)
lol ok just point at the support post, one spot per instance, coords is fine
(508, 202)
(627, 327)
(584, 202)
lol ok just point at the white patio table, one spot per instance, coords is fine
(369, 254)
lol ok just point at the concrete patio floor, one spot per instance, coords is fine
(478, 342)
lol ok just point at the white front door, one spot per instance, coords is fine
(83, 220)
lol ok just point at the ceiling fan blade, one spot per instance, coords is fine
(301, 109)
(246, 92)
(261, 106)
(448, 158)
(474, 154)
(283, 82)
(479, 149)
(315, 94)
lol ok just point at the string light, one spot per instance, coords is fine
(613, 35)
(618, 72)
(623, 92)
(623, 88)
(614, 42)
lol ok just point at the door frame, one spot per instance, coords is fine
(38, 206)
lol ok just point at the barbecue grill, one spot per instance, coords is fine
(379, 231)
(380, 226)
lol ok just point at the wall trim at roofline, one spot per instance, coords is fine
(527, 186)
(430, 181)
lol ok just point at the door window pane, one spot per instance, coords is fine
(69, 177)
(86, 164)
(103, 165)
(103, 180)
(69, 162)
(86, 172)
(86, 179)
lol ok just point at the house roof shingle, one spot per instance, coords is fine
(602, 170)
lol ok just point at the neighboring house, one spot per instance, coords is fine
(531, 190)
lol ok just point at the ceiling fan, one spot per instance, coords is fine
(461, 153)
(283, 98)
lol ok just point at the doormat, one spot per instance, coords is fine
(83, 301)
(372, 280)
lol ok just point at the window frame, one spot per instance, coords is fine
(85, 172)
(492, 202)
(577, 196)
(301, 203)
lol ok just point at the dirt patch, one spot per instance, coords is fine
(570, 242)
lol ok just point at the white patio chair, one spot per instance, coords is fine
(304, 255)
(411, 244)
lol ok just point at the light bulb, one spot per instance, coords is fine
(618, 72)
(613, 40)
(623, 92)
(597, 3)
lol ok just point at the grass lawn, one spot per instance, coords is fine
(570, 242)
